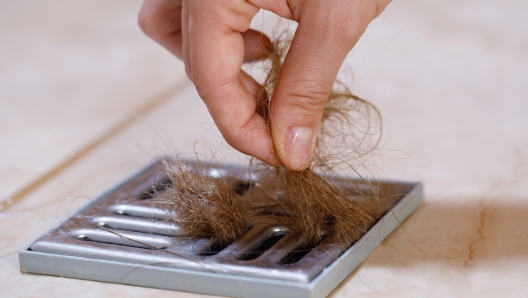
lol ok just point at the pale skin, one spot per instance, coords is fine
(212, 38)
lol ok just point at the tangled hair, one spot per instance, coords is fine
(201, 205)
(316, 200)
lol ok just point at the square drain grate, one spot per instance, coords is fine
(124, 237)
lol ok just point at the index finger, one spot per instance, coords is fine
(216, 53)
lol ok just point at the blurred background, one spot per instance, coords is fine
(86, 99)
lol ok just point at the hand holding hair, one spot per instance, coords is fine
(213, 39)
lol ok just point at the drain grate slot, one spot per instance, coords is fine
(242, 187)
(268, 243)
(213, 249)
(160, 186)
(121, 238)
(142, 225)
(141, 211)
(299, 253)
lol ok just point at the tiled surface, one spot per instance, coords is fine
(69, 71)
(449, 79)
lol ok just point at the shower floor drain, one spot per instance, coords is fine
(123, 237)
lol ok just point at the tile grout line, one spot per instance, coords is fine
(124, 122)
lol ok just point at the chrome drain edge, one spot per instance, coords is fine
(218, 282)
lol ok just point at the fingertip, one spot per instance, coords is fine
(296, 148)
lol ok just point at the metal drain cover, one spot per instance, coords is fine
(123, 237)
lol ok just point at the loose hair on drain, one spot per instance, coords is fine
(316, 203)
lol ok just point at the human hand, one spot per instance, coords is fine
(213, 40)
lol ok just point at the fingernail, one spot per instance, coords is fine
(299, 144)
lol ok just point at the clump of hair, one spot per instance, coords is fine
(350, 126)
(205, 207)
(201, 205)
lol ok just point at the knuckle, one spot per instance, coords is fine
(232, 140)
(146, 23)
(308, 102)
(348, 27)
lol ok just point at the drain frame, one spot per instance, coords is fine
(208, 278)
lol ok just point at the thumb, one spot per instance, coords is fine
(305, 82)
